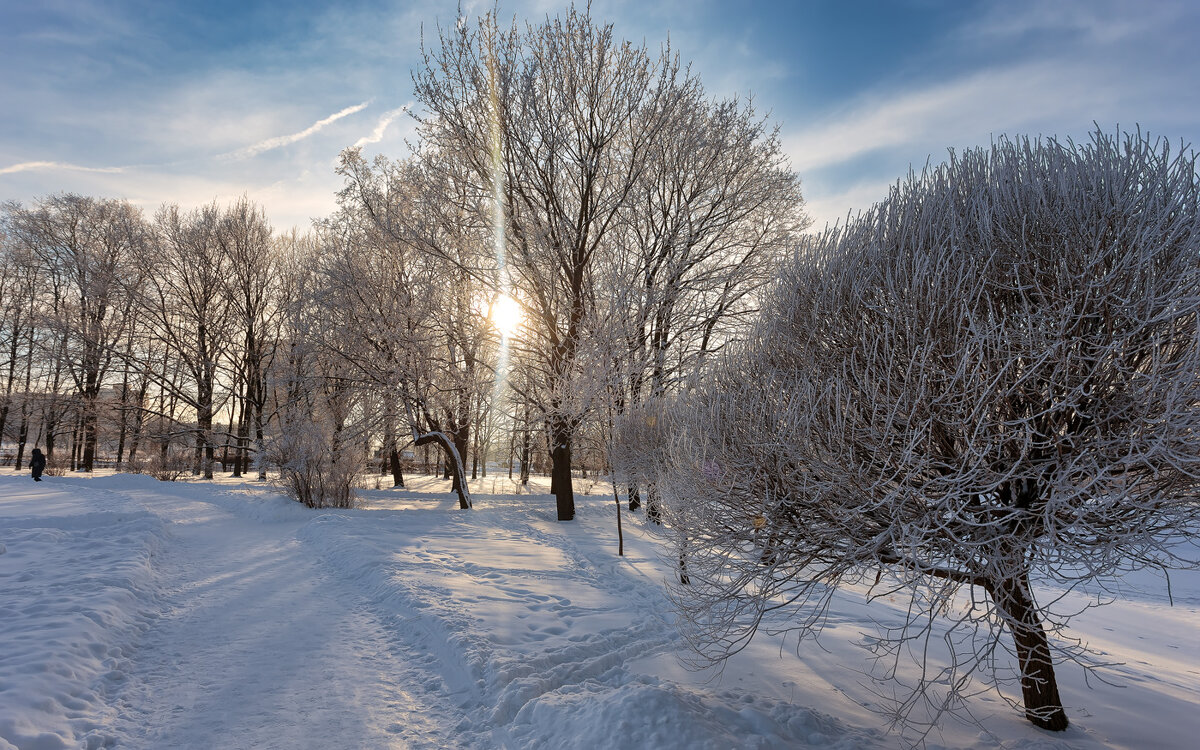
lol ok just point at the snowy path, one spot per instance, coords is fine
(144, 615)
(260, 647)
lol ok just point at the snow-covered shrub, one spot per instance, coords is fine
(313, 469)
(639, 449)
(987, 382)
(165, 468)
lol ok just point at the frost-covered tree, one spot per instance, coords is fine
(318, 445)
(980, 395)
(406, 306)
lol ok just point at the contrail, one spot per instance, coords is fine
(29, 166)
(284, 140)
(377, 134)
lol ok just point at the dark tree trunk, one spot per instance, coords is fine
(560, 471)
(50, 425)
(1039, 689)
(526, 449)
(121, 435)
(22, 437)
(75, 443)
(635, 497)
(88, 422)
(139, 416)
(397, 470)
(123, 411)
(3, 415)
(242, 431)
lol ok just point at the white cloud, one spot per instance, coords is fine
(30, 166)
(285, 140)
(377, 134)
(827, 209)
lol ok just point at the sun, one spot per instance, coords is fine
(506, 315)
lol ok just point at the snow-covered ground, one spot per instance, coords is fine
(141, 614)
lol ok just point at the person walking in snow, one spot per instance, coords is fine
(37, 463)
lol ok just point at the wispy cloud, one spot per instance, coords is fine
(381, 127)
(33, 166)
(286, 140)
(956, 113)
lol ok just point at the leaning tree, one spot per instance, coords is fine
(982, 394)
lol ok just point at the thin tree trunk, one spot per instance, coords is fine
(526, 448)
(22, 436)
(453, 457)
(138, 419)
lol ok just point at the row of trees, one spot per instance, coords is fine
(112, 322)
(630, 217)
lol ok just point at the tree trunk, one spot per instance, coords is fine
(1039, 689)
(397, 470)
(260, 442)
(526, 449)
(462, 443)
(89, 422)
(635, 497)
(22, 438)
(653, 508)
(139, 417)
(123, 411)
(50, 426)
(238, 411)
(454, 458)
(75, 444)
(560, 471)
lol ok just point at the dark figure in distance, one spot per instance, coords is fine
(37, 462)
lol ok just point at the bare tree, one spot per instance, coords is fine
(707, 226)
(87, 246)
(316, 446)
(554, 122)
(186, 307)
(986, 385)
(251, 286)
(414, 271)
(18, 292)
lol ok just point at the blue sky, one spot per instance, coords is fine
(187, 102)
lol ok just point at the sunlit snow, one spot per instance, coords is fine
(141, 614)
